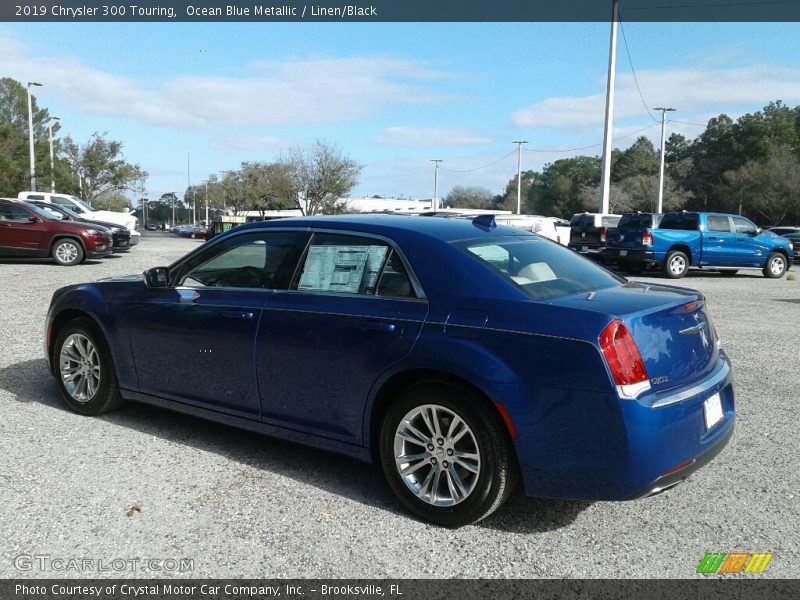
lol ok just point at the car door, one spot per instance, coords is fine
(353, 310)
(718, 241)
(22, 233)
(193, 341)
(749, 249)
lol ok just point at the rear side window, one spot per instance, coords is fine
(61, 201)
(541, 269)
(684, 221)
(347, 264)
(717, 223)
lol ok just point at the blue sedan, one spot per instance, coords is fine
(460, 356)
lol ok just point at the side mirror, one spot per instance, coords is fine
(156, 277)
(754, 232)
(34, 219)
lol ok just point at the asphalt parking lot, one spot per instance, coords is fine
(147, 483)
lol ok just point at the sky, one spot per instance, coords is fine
(392, 96)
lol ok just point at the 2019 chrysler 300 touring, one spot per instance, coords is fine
(459, 355)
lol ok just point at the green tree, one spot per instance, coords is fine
(100, 168)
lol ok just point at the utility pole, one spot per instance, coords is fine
(519, 174)
(206, 203)
(605, 190)
(30, 134)
(52, 161)
(664, 111)
(435, 203)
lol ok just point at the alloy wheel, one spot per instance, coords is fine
(67, 252)
(437, 455)
(79, 365)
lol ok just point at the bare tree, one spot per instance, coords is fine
(320, 176)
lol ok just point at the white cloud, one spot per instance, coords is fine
(251, 143)
(691, 90)
(430, 136)
(269, 93)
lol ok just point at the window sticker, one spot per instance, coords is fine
(342, 268)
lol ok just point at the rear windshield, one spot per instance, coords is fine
(540, 268)
(638, 221)
(582, 220)
(687, 221)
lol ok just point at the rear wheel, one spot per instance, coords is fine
(446, 456)
(676, 265)
(67, 252)
(775, 266)
(84, 369)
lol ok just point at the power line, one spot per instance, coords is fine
(619, 137)
(481, 167)
(688, 123)
(633, 71)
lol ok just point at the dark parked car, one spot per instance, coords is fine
(588, 233)
(783, 230)
(632, 237)
(120, 235)
(794, 238)
(28, 231)
(507, 357)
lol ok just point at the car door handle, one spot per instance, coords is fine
(378, 326)
(237, 314)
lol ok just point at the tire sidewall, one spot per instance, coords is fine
(62, 242)
(484, 494)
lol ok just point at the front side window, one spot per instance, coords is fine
(347, 264)
(742, 225)
(540, 269)
(9, 212)
(256, 261)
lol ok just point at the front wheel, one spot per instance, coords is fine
(446, 455)
(775, 266)
(676, 265)
(67, 252)
(84, 369)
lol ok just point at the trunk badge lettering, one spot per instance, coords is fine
(657, 380)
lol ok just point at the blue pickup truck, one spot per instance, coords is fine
(706, 240)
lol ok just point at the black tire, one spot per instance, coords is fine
(728, 272)
(67, 252)
(104, 396)
(676, 264)
(485, 491)
(775, 267)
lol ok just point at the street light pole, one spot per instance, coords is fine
(30, 134)
(435, 203)
(519, 174)
(52, 161)
(608, 133)
(206, 203)
(664, 112)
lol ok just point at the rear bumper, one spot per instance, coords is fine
(606, 448)
(632, 256)
(593, 252)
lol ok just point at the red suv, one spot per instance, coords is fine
(26, 230)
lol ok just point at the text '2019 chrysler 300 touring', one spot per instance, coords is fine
(461, 356)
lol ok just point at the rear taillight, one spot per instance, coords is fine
(624, 361)
(603, 234)
(647, 239)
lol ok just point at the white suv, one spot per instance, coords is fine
(83, 208)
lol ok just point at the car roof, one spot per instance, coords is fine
(392, 225)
